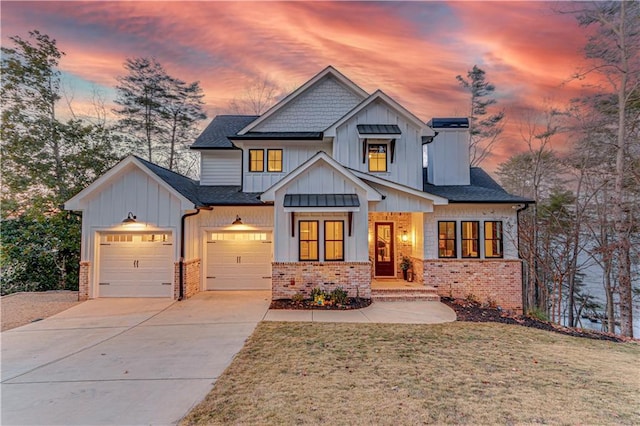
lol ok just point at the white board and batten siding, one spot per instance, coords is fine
(131, 190)
(448, 158)
(406, 168)
(398, 201)
(294, 153)
(320, 178)
(221, 167)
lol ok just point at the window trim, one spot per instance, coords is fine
(386, 157)
(454, 239)
(300, 240)
(281, 160)
(326, 240)
(462, 239)
(249, 165)
(500, 240)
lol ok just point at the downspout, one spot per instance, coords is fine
(182, 238)
(525, 308)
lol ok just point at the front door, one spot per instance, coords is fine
(385, 257)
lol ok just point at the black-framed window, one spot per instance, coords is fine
(493, 239)
(256, 160)
(274, 160)
(377, 157)
(470, 238)
(308, 242)
(446, 239)
(334, 240)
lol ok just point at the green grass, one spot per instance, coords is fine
(462, 373)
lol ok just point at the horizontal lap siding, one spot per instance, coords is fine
(221, 168)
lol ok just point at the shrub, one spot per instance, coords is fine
(298, 297)
(538, 314)
(339, 296)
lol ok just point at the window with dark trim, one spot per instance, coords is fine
(308, 243)
(470, 239)
(256, 160)
(446, 239)
(274, 160)
(493, 239)
(377, 157)
(334, 240)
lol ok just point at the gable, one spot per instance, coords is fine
(302, 110)
(313, 110)
(321, 178)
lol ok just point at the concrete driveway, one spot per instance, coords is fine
(124, 361)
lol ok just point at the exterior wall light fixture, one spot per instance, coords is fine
(131, 218)
(238, 221)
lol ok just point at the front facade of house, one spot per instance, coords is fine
(325, 189)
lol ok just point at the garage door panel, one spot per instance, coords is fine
(135, 268)
(241, 262)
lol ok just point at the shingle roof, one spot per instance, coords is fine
(215, 136)
(279, 135)
(321, 200)
(207, 195)
(184, 185)
(483, 189)
(228, 196)
(379, 129)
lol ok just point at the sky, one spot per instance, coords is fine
(410, 50)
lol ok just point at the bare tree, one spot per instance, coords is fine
(259, 96)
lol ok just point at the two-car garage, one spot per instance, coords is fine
(140, 264)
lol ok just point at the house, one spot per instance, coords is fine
(327, 188)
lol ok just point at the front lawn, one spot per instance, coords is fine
(472, 373)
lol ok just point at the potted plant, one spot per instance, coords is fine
(405, 265)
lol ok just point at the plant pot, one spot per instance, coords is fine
(404, 274)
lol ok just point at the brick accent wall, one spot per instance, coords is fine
(418, 265)
(83, 284)
(291, 278)
(191, 276)
(498, 281)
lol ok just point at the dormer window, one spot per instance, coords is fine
(377, 157)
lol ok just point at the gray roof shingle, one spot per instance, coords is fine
(184, 185)
(483, 189)
(216, 135)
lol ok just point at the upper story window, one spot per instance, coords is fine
(493, 239)
(377, 157)
(256, 160)
(470, 239)
(447, 239)
(274, 160)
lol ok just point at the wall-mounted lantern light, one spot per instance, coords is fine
(238, 221)
(131, 218)
(404, 237)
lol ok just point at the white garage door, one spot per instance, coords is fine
(135, 265)
(239, 261)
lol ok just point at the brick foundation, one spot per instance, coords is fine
(83, 282)
(497, 281)
(191, 277)
(291, 278)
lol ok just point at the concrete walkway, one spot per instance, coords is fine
(419, 312)
(124, 361)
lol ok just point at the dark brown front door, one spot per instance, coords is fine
(385, 258)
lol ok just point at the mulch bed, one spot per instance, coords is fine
(352, 303)
(474, 312)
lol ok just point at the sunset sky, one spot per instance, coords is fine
(411, 50)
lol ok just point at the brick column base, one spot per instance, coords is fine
(83, 282)
(291, 278)
(191, 278)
